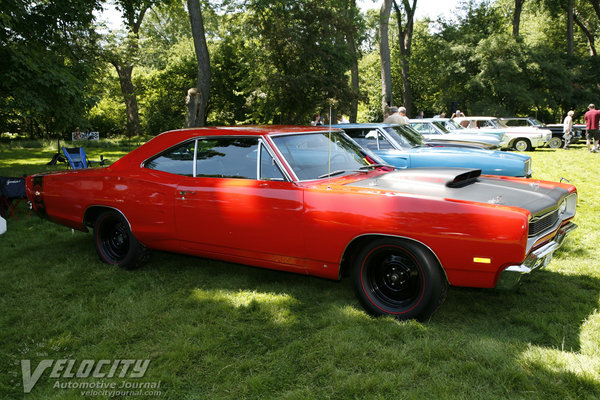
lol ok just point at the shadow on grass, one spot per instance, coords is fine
(222, 330)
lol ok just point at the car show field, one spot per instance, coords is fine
(234, 331)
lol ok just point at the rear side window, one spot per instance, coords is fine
(179, 160)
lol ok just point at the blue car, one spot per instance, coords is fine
(403, 147)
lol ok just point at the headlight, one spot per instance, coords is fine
(562, 208)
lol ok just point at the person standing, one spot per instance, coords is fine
(397, 116)
(458, 114)
(568, 129)
(592, 124)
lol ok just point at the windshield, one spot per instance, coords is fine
(536, 122)
(314, 155)
(498, 123)
(440, 126)
(405, 136)
(453, 125)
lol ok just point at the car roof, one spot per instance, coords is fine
(172, 138)
(365, 125)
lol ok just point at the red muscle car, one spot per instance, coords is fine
(310, 200)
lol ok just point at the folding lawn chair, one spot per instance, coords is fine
(78, 159)
(12, 193)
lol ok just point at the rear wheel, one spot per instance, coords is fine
(115, 242)
(522, 144)
(399, 278)
(555, 142)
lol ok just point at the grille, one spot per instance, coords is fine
(542, 223)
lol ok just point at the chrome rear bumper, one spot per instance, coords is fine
(538, 258)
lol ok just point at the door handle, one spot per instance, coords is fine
(184, 193)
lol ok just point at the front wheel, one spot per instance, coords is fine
(522, 145)
(555, 143)
(399, 278)
(115, 242)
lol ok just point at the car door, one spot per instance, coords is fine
(238, 204)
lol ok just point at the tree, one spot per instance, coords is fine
(197, 100)
(387, 99)
(300, 60)
(405, 33)
(47, 64)
(517, 17)
(123, 52)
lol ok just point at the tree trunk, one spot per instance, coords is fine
(405, 34)
(131, 105)
(570, 41)
(585, 28)
(196, 111)
(354, 82)
(387, 99)
(517, 17)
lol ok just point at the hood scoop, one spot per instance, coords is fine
(464, 178)
(449, 177)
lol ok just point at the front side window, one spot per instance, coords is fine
(269, 170)
(227, 157)
(370, 139)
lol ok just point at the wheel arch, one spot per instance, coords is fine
(93, 212)
(355, 245)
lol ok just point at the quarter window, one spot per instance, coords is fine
(179, 160)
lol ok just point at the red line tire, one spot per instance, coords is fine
(398, 278)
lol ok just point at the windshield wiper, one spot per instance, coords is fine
(362, 169)
(332, 173)
(376, 166)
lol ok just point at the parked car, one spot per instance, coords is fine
(557, 140)
(519, 138)
(522, 121)
(401, 147)
(433, 130)
(310, 200)
(452, 125)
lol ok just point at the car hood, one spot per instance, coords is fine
(467, 137)
(468, 153)
(467, 185)
(524, 130)
(482, 131)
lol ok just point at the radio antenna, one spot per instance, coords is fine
(331, 103)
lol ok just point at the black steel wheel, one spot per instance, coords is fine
(115, 243)
(399, 278)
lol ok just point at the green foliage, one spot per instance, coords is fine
(47, 62)
(163, 102)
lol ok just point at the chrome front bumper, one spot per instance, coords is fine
(539, 258)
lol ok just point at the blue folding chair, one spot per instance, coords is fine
(78, 159)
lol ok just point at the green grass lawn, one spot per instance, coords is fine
(215, 330)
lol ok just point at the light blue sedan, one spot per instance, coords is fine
(402, 147)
